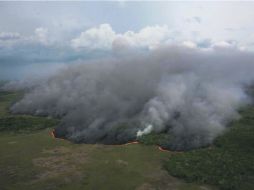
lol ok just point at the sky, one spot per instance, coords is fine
(37, 38)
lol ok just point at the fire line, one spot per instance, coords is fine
(52, 134)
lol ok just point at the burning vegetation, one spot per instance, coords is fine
(52, 134)
(187, 94)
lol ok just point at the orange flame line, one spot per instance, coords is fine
(162, 149)
(134, 142)
(52, 134)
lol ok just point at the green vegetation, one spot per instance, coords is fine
(2, 83)
(37, 161)
(229, 164)
(20, 123)
(31, 159)
(6, 100)
(155, 139)
(25, 124)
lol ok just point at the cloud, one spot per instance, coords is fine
(194, 20)
(102, 41)
(104, 37)
(149, 37)
(13, 39)
(8, 39)
(9, 36)
(197, 19)
(225, 45)
(189, 44)
(95, 38)
(41, 35)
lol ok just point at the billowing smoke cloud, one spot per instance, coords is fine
(189, 93)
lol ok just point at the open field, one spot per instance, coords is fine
(32, 159)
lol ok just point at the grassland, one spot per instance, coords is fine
(30, 159)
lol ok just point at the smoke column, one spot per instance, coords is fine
(189, 93)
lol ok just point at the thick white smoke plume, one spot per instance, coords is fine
(145, 131)
(191, 94)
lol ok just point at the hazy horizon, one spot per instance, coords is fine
(36, 37)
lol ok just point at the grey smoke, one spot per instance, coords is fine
(191, 94)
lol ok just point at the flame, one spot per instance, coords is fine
(52, 134)
(134, 142)
(162, 149)
(128, 143)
